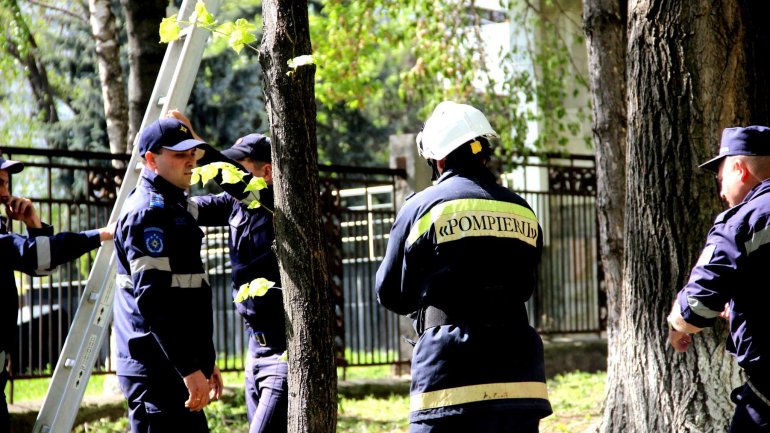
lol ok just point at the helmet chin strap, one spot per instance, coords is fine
(434, 169)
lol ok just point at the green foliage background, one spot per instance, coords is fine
(382, 65)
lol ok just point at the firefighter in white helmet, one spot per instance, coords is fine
(462, 261)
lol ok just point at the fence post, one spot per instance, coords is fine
(404, 155)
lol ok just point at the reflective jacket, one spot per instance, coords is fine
(162, 312)
(733, 269)
(470, 248)
(251, 256)
(36, 254)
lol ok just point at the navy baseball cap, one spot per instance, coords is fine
(11, 167)
(169, 133)
(254, 146)
(751, 140)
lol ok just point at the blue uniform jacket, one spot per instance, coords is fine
(251, 256)
(471, 248)
(162, 313)
(36, 254)
(733, 269)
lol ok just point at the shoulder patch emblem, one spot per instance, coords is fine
(153, 240)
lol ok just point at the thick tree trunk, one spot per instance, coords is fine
(290, 104)
(145, 54)
(605, 26)
(110, 73)
(687, 78)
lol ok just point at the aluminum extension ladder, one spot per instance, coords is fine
(94, 314)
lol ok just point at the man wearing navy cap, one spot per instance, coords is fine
(252, 256)
(35, 254)
(732, 272)
(162, 313)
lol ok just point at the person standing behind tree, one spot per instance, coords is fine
(251, 257)
(163, 314)
(732, 270)
(462, 257)
(35, 254)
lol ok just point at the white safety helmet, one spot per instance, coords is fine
(451, 125)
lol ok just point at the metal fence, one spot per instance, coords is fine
(562, 192)
(75, 191)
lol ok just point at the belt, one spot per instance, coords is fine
(268, 339)
(757, 393)
(493, 317)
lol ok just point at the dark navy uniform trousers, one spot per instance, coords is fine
(266, 389)
(752, 408)
(160, 408)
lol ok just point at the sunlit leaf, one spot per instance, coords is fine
(254, 204)
(208, 172)
(196, 176)
(298, 61)
(169, 29)
(255, 288)
(256, 184)
(202, 16)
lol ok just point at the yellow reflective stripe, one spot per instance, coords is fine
(488, 208)
(474, 393)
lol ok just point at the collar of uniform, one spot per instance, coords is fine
(164, 187)
(759, 189)
(481, 173)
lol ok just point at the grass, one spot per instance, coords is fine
(576, 399)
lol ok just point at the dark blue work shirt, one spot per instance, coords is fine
(733, 269)
(38, 253)
(162, 313)
(251, 256)
(471, 248)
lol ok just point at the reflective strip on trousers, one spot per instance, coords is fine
(475, 393)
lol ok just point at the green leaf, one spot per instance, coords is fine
(196, 176)
(230, 174)
(240, 34)
(298, 61)
(208, 172)
(256, 184)
(169, 29)
(202, 16)
(254, 204)
(224, 30)
(257, 287)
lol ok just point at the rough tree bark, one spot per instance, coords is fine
(693, 68)
(145, 54)
(604, 23)
(105, 35)
(290, 104)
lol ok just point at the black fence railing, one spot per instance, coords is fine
(75, 191)
(562, 192)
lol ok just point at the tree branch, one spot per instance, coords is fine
(58, 9)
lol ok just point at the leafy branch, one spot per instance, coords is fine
(239, 34)
(231, 175)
